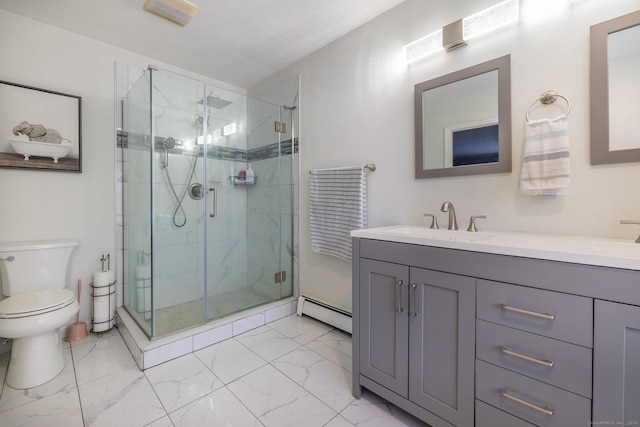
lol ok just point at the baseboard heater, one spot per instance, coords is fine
(325, 313)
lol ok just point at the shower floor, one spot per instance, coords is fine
(182, 316)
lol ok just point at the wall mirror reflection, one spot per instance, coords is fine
(463, 122)
(615, 90)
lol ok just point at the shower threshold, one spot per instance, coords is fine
(148, 353)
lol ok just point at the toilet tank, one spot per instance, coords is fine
(36, 265)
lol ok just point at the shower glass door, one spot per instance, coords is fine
(249, 237)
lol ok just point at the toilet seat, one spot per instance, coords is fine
(35, 303)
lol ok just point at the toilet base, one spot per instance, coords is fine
(35, 360)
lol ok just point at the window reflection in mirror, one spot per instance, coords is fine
(463, 122)
(459, 121)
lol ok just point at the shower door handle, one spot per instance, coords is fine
(214, 198)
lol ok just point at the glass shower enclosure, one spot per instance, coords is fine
(203, 238)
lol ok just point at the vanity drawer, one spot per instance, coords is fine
(531, 354)
(502, 388)
(488, 416)
(552, 314)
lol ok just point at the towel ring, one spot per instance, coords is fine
(549, 97)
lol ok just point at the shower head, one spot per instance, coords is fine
(169, 143)
(215, 102)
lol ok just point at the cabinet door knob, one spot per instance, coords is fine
(399, 307)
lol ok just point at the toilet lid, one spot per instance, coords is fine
(33, 303)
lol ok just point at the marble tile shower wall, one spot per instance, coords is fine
(227, 233)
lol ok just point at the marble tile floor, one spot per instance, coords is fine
(292, 372)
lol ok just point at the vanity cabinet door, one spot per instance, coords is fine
(442, 344)
(616, 365)
(384, 324)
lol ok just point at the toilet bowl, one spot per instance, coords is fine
(33, 276)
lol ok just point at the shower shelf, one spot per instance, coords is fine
(236, 180)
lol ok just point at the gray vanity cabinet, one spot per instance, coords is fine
(616, 364)
(463, 338)
(416, 338)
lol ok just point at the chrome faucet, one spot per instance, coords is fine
(448, 207)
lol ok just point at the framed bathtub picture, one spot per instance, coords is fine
(39, 129)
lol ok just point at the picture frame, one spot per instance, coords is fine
(40, 129)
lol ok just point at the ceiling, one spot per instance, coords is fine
(236, 41)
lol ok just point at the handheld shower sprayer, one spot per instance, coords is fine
(167, 144)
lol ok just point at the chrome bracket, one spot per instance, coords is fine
(280, 127)
(281, 276)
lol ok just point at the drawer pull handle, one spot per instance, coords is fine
(547, 363)
(546, 411)
(529, 313)
(399, 307)
(414, 313)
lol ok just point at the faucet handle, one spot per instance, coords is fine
(472, 222)
(434, 221)
(631, 221)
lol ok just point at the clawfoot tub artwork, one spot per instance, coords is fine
(39, 129)
(38, 133)
(42, 142)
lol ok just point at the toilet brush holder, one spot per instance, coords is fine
(78, 330)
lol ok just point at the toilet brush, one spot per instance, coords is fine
(77, 331)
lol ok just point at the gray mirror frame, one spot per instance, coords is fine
(503, 65)
(599, 89)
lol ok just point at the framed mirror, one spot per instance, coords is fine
(615, 90)
(463, 122)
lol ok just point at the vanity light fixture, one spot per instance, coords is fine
(490, 19)
(178, 11)
(423, 47)
(457, 33)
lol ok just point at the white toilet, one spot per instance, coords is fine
(34, 277)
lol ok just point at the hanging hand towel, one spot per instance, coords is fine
(545, 166)
(338, 204)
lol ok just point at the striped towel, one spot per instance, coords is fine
(338, 204)
(545, 166)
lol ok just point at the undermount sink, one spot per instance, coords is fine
(431, 233)
(617, 248)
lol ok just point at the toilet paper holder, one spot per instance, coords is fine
(106, 259)
(103, 297)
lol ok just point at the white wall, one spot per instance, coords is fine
(357, 107)
(38, 204)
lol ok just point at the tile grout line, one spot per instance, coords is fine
(75, 377)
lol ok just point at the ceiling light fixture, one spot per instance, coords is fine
(457, 33)
(178, 11)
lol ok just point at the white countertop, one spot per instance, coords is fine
(575, 249)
